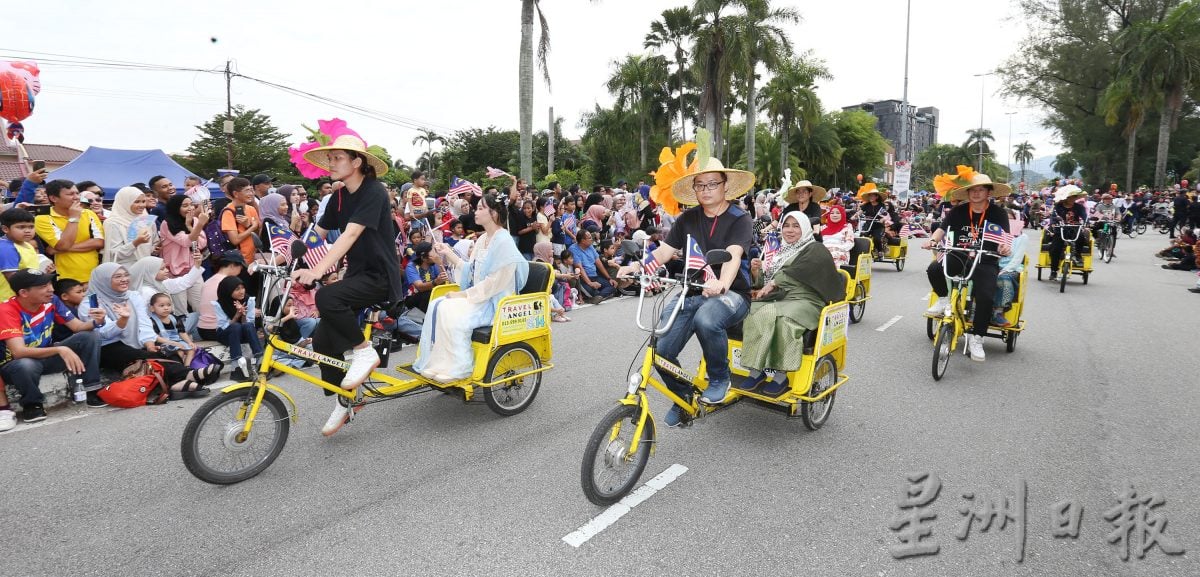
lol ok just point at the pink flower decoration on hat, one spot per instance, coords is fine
(335, 128)
(306, 168)
(327, 131)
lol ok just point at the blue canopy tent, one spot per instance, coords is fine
(113, 169)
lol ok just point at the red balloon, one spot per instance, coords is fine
(16, 97)
(1184, 183)
(859, 177)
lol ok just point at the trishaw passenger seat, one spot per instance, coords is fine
(735, 333)
(538, 282)
(862, 245)
(893, 240)
(850, 269)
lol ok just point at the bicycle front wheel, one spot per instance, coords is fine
(941, 350)
(1140, 228)
(1108, 249)
(610, 468)
(215, 447)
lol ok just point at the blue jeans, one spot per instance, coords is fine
(237, 334)
(707, 318)
(307, 326)
(24, 374)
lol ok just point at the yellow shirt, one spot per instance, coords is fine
(72, 265)
(27, 258)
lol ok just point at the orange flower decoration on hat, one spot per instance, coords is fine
(944, 183)
(868, 188)
(674, 166)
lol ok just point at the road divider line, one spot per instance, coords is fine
(620, 508)
(888, 324)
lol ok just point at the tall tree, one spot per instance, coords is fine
(528, 8)
(675, 29)
(257, 146)
(1065, 166)
(977, 140)
(711, 41)
(1135, 99)
(1165, 56)
(759, 38)
(429, 138)
(1023, 154)
(791, 101)
(640, 83)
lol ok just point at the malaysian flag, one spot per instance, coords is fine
(496, 173)
(993, 232)
(459, 186)
(695, 260)
(905, 230)
(770, 249)
(317, 249)
(650, 265)
(281, 239)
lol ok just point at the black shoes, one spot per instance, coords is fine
(33, 413)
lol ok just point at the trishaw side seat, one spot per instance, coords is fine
(736, 333)
(482, 335)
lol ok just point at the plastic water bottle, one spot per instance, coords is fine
(77, 386)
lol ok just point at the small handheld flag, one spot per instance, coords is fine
(496, 173)
(770, 249)
(317, 249)
(993, 232)
(459, 186)
(281, 239)
(650, 265)
(695, 260)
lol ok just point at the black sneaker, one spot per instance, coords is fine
(238, 375)
(33, 413)
(94, 401)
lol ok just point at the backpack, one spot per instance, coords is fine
(218, 243)
(143, 385)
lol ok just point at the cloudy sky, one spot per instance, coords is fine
(452, 64)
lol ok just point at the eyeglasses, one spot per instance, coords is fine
(709, 186)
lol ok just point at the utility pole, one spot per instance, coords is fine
(550, 144)
(979, 137)
(904, 128)
(228, 125)
(1010, 147)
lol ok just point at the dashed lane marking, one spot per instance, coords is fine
(620, 508)
(888, 324)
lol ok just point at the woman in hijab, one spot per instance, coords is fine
(150, 275)
(182, 230)
(544, 252)
(594, 219)
(129, 231)
(496, 269)
(235, 322)
(837, 236)
(130, 336)
(273, 208)
(788, 299)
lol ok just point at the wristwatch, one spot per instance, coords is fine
(73, 219)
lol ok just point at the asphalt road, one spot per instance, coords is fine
(1100, 392)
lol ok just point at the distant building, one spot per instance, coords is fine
(923, 123)
(55, 156)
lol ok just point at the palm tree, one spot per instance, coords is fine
(1126, 93)
(711, 40)
(759, 38)
(638, 82)
(977, 139)
(676, 28)
(429, 137)
(1023, 154)
(1065, 165)
(791, 100)
(1165, 57)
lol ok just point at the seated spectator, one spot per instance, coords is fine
(566, 272)
(70, 294)
(235, 325)
(543, 252)
(16, 248)
(229, 263)
(182, 234)
(595, 286)
(29, 352)
(1009, 280)
(151, 275)
(788, 300)
(130, 233)
(128, 335)
(608, 256)
(421, 275)
(172, 341)
(74, 234)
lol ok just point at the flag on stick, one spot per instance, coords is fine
(695, 260)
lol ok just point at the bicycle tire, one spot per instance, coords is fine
(824, 376)
(507, 400)
(1108, 249)
(1140, 228)
(230, 439)
(601, 445)
(941, 350)
(1064, 272)
(859, 308)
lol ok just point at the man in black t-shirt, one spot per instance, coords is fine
(360, 211)
(724, 300)
(966, 223)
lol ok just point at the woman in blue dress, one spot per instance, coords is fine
(495, 269)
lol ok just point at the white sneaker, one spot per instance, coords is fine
(340, 416)
(975, 347)
(362, 362)
(8, 420)
(939, 307)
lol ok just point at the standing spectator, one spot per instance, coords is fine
(163, 191)
(241, 222)
(28, 187)
(16, 248)
(74, 233)
(26, 324)
(262, 186)
(1181, 212)
(326, 190)
(129, 232)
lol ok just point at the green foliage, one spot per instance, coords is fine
(863, 146)
(257, 147)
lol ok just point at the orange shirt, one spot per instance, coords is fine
(229, 224)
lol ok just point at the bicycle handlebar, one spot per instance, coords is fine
(978, 256)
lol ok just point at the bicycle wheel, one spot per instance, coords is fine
(1162, 225)
(824, 376)
(930, 324)
(1107, 251)
(516, 395)
(941, 350)
(215, 449)
(1010, 340)
(859, 308)
(1063, 273)
(1140, 228)
(900, 264)
(609, 470)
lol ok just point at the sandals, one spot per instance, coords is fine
(202, 375)
(190, 389)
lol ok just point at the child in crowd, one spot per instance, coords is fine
(565, 271)
(235, 324)
(69, 292)
(170, 340)
(16, 248)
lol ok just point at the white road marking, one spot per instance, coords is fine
(53, 420)
(620, 508)
(888, 324)
(926, 297)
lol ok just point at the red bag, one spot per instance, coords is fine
(143, 385)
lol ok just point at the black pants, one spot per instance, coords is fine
(1057, 245)
(118, 355)
(983, 290)
(339, 305)
(1177, 223)
(876, 234)
(418, 300)
(1116, 233)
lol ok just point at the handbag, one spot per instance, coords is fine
(204, 358)
(143, 385)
